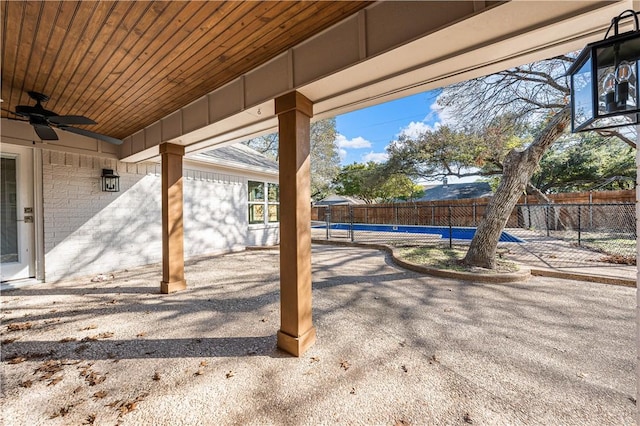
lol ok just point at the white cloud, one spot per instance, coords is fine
(342, 153)
(376, 157)
(445, 115)
(417, 128)
(358, 142)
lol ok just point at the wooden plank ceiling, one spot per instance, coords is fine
(127, 64)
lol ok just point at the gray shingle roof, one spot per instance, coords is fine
(338, 200)
(457, 191)
(241, 155)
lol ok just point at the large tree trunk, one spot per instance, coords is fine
(518, 167)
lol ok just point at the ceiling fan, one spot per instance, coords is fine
(44, 120)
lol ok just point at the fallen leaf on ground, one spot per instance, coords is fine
(353, 391)
(114, 404)
(54, 381)
(89, 327)
(404, 368)
(93, 338)
(62, 412)
(345, 365)
(467, 418)
(156, 376)
(100, 394)
(198, 373)
(230, 374)
(48, 369)
(204, 363)
(94, 378)
(314, 359)
(105, 335)
(19, 326)
(433, 359)
(17, 360)
(128, 406)
(25, 384)
(91, 418)
(81, 348)
(7, 341)
(141, 334)
(68, 339)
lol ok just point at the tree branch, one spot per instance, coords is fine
(615, 133)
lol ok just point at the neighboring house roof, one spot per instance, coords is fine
(240, 156)
(457, 191)
(338, 199)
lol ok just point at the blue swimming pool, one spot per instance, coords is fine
(457, 233)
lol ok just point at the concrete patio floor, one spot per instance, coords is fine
(394, 348)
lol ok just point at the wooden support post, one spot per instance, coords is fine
(296, 332)
(172, 224)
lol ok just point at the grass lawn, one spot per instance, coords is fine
(449, 258)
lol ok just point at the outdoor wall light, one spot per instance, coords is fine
(604, 80)
(110, 181)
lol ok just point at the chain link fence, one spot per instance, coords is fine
(602, 229)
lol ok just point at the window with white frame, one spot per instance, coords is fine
(264, 203)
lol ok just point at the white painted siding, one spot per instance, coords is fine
(214, 215)
(87, 231)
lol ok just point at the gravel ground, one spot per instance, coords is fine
(394, 348)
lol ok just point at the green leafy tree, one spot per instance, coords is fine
(358, 180)
(443, 152)
(398, 187)
(325, 159)
(586, 161)
(370, 182)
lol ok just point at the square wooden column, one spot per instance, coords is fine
(296, 332)
(172, 225)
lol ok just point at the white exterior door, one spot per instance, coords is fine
(17, 228)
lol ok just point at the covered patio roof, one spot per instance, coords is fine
(199, 74)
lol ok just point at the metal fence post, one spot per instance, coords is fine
(590, 210)
(351, 221)
(474, 214)
(546, 218)
(579, 223)
(450, 228)
(327, 219)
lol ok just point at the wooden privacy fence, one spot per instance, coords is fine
(468, 212)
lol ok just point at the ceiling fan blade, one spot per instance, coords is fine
(70, 119)
(91, 134)
(45, 133)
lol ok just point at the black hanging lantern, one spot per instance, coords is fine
(110, 181)
(604, 80)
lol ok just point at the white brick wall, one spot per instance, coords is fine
(87, 231)
(214, 216)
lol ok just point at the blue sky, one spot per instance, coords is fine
(364, 134)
